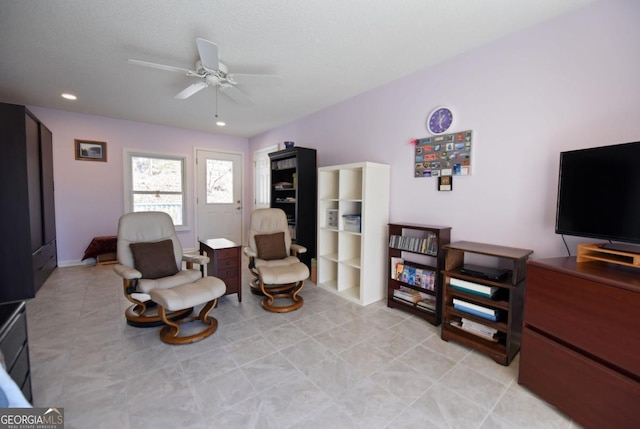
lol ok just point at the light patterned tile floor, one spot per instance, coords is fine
(329, 364)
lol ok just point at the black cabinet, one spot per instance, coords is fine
(14, 345)
(28, 248)
(294, 182)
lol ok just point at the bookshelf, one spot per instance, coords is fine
(495, 304)
(415, 264)
(293, 189)
(353, 212)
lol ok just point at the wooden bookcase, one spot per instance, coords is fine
(508, 300)
(417, 247)
(294, 183)
(351, 253)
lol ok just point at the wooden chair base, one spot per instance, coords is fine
(150, 318)
(288, 291)
(268, 304)
(170, 333)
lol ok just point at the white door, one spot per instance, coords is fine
(219, 195)
(262, 177)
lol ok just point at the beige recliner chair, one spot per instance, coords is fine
(273, 261)
(150, 261)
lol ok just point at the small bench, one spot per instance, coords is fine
(206, 291)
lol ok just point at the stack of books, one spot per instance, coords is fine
(428, 303)
(474, 288)
(421, 300)
(406, 294)
(283, 185)
(476, 310)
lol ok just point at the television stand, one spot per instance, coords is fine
(621, 247)
(598, 252)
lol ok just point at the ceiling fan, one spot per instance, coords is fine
(211, 72)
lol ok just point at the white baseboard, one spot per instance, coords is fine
(76, 262)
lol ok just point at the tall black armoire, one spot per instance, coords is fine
(28, 246)
(294, 184)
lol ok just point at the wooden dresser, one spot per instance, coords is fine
(581, 340)
(225, 261)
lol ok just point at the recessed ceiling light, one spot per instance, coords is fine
(221, 123)
(69, 96)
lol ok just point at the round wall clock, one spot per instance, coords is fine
(440, 120)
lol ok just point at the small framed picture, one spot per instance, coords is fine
(445, 183)
(89, 150)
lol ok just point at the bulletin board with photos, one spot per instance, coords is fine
(444, 155)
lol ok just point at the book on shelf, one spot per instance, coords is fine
(414, 276)
(479, 327)
(476, 310)
(397, 265)
(474, 288)
(427, 245)
(472, 330)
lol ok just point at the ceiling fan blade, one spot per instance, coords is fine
(191, 89)
(236, 95)
(255, 79)
(161, 67)
(208, 53)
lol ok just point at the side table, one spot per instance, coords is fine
(225, 260)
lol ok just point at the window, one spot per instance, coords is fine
(156, 183)
(219, 181)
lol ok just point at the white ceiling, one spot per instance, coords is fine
(325, 50)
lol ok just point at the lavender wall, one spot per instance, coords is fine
(89, 195)
(570, 83)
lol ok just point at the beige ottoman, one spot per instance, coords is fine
(205, 290)
(282, 281)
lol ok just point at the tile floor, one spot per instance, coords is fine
(331, 364)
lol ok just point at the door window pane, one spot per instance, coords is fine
(219, 181)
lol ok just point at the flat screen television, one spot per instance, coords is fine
(599, 195)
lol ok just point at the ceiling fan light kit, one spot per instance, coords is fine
(211, 72)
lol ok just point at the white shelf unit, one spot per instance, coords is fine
(353, 264)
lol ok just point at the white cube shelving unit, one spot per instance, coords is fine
(353, 264)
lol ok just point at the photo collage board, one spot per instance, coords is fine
(444, 155)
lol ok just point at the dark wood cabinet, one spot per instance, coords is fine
(294, 183)
(14, 345)
(28, 232)
(506, 303)
(581, 340)
(417, 247)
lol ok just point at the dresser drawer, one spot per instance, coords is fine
(226, 253)
(222, 264)
(225, 273)
(13, 338)
(232, 283)
(594, 395)
(20, 369)
(597, 318)
(43, 256)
